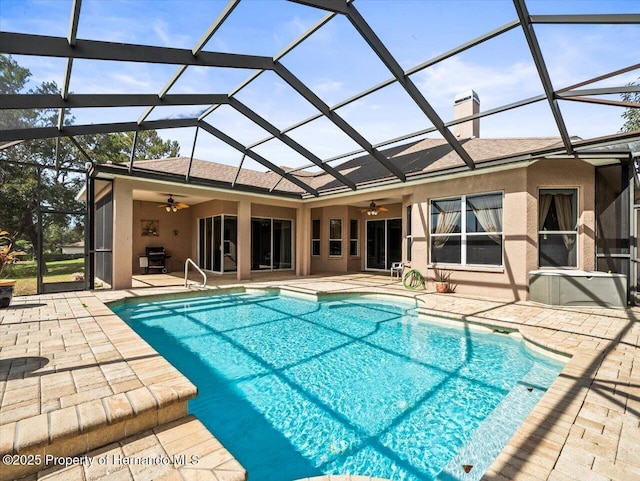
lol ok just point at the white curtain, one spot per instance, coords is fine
(447, 220)
(488, 211)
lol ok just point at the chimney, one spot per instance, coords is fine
(465, 104)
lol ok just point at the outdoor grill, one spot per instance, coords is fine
(156, 259)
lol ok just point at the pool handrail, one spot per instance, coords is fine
(186, 273)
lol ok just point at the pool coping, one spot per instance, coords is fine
(586, 425)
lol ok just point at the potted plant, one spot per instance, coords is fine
(7, 256)
(441, 279)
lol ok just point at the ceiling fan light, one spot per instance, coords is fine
(168, 208)
(174, 208)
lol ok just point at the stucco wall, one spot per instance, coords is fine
(520, 217)
(565, 174)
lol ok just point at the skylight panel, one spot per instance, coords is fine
(421, 30)
(534, 120)
(575, 53)
(236, 125)
(280, 154)
(545, 7)
(273, 99)
(103, 115)
(332, 71)
(385, 114)
(44, 17)
(42, 69)
(110, 77)
(147, 22)
(500, 71)
(177, 112)
(587, 120)
(323, 138)
(215, 80)
(262, 28)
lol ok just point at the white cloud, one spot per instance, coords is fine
(125, 81)
(495, 85)
(161, 29)
(327, 86)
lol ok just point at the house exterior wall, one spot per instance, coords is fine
(520, 223)
(324, 262)
(519, 186)
(507, 281)
(355, 263)
(122, 233)
(551, 173)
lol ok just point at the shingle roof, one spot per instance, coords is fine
(219, 172)
(424, 156)
(433, 155)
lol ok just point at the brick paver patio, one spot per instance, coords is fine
(74, 378)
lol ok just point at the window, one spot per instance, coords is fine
(474, 238)
(409, 237)
(353, 238)
(335, 237)
(315, 237)
(558, 227)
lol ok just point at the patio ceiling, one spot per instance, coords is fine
(339, 14)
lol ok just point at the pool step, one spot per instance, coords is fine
(35, 441)
(181, 449)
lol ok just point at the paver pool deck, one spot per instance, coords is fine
(75, 379)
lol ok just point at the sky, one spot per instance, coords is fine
(336, 64)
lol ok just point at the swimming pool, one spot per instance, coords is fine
(296, 388)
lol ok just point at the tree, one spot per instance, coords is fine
(631, 115)
(58, 187)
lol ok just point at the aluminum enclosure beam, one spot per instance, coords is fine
(338, 6)
(257, 157)
(89, 129)
(383, 53)
(76, 101)
(588, 19)
(392, 80)
(195, 51)
(45, 46)
(314, 100)
(273, 130)
(538, 59)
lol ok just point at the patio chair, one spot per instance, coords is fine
(397, 268)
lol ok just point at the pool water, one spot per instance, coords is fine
(295, 388)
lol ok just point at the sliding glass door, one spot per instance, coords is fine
(384, 243)
(217, 243)
(271, 244)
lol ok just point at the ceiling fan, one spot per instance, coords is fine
(172, 206)
(373, 209)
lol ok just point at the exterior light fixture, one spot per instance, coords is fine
(173, 206)
(373, 209)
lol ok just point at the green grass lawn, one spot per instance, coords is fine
(25, 273)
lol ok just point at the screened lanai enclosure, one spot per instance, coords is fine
(320, 101)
